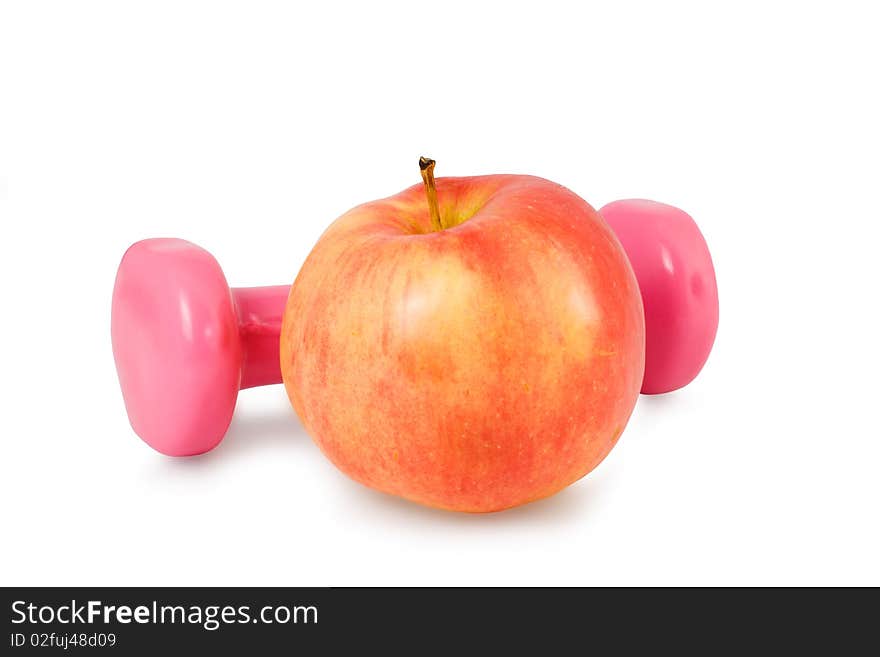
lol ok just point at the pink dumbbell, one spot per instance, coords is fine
(677, 281)
(185, 344)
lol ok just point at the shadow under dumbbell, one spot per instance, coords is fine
(652, 414)
(659, 402)
(263, 421)
(263, 432)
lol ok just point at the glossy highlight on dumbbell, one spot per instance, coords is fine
(185, 344)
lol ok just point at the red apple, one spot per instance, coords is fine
(473, 356)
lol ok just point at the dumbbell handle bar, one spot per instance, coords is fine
(260, 310)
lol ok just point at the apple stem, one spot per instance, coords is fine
(426, 165)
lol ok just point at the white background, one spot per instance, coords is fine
(249, 127)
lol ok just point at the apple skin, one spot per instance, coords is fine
(677, 280)
(475, 368)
